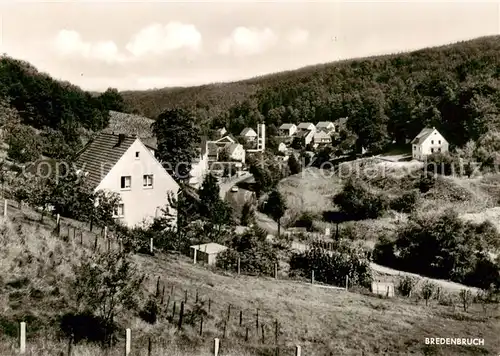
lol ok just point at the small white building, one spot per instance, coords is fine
(199, 166)
(287, 129)
(124, 165)
(235, 152)
(282, 147)
(427, 142)
(305, 137)
(306, 126)
(249, 134)
(326, 126)
(322, 138)
(207, 253)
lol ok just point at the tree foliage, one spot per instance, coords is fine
(177, 137)
(358, 202)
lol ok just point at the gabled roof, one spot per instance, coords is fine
(305, 125)
(210, 248)
(129, 124)
(286, 126)
(101, 154)
(422, 136)
(324, 124)
(150, 142)
(248, 131)
(321, 134)
(231, 147)
(304, 133)
(228, 138)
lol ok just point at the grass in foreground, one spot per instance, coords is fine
(323, 321)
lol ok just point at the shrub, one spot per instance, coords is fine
(150, 311)
(426, 182)
(358, 202)
(332, 267)
(428, 290)
(306, 219)
(406, 285)
(257, 255)
(87, 327)
(406, 203)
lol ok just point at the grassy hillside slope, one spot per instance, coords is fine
(37, 267)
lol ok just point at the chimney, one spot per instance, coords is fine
(121, 138)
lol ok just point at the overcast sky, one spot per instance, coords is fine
(148, 44)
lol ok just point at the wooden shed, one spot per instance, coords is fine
(206, 253)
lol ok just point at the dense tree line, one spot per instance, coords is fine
(454, 88)
(59, 111)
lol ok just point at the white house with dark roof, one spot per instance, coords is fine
(326, 126)
(287, 129)
(235, 152)
(125, 165)
(427, 142)
(306, 126)
(321, 138)
(249, 134)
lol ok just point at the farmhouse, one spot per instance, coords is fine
(287, 129)
(326, 126)
(235, 152)
(249, 134)
(306, 126)
(124, 165)
(427, 142)
(207, 253)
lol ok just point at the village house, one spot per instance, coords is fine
(221, 132)
(124, 165)
(305, 137)
(249, 134)
(199, 166)
(221, 142)
(322, 138)
(326, 126)
(235, 152)
(306, 126)
(282, 147)
(427, 142)
(287, 130)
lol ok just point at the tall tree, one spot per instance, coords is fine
(177, 140)
(209, 195)
(276, 207)
(111, 99)
(294, 165)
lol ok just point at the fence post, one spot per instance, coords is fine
(263, 335)
(209, 304)
(95, 243)
(229, 312)
(22, 339)
(194, 255)
(173, 310)
(241, 317)
(150, 346)
(225, 328)
(181, 315)
(257, 321)
(185, 296)
(239, 261)
(275, 271)
(128, 342)
(162, 295)
(201, 325)
(81, 237)
(347, 282)
(105, 232)
(246, 334)
(297, 350)
(158, 287)
(312, 277)
(151, 245)
(276, 332)
(216, 347)
(58, 219)
(5, 208)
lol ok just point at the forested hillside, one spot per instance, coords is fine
(48, 114)
(454, 87)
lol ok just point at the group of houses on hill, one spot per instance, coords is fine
(127, 164)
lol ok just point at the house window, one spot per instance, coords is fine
(439, 141)
(432, 150)
(119, 211)
(439, 149)
(432, 142)
(137, 155)
(414, 147)
(147, 181)
(126, 182)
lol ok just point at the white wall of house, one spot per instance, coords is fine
(199, 169)
(143, 200)
(433, 144)
(308, 138)
(238, 154)
(289, 132)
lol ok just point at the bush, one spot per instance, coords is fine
(332, 267)
(358, 202)
(257, 255)
(305, 220)
(443, 247)
(406, 285)
(89, 328)
(406, 203)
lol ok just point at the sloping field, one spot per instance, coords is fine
(323, 321)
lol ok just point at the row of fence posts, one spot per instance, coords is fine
(128, 342)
